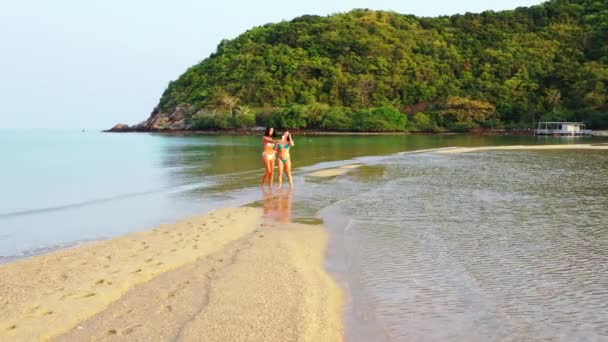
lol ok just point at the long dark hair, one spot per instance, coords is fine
(267, 133)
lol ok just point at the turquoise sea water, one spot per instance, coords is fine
(61, 187)
(483, 246)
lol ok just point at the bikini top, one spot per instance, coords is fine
(284, 146)
(269, 144)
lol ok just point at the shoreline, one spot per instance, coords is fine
(312, 132)
(309, 132)
(181, 281)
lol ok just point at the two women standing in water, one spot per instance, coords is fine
(276, 149)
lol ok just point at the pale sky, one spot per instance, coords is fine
(91, 64)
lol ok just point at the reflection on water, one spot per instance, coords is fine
(489, 246)
(277, 206)
(103, 185)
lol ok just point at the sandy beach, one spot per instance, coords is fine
(221, 276)
(457, 150)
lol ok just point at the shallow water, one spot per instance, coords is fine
(59, 188)
(488, 246)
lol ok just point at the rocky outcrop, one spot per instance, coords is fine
(159, 121)
(173, 121)
(120, 128)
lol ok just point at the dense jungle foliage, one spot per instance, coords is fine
(382, 71)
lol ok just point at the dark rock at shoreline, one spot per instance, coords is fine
(120, 128)
(158, 121)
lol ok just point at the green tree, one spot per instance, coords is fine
(554, 98)
(494, 68)
(337, 119)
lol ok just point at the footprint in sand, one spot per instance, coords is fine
(131, 329)
(66, 296)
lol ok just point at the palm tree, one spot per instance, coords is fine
(228, 102)
(554, 97)
(243, 109)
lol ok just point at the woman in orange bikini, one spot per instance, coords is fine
(268, 156)
(284, 158)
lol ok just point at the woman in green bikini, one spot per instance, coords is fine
(284, 159)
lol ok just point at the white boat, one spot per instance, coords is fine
(561, 128)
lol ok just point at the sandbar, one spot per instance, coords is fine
(458, 150)
(218, 277)
(334, 172)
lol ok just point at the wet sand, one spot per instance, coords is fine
(334, 172)
(458, 150)
(221, 276)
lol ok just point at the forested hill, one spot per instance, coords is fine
(381, 71)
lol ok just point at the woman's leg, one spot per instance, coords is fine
(288, 170)
(267, 171)
(272, 171)
(281, 165)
